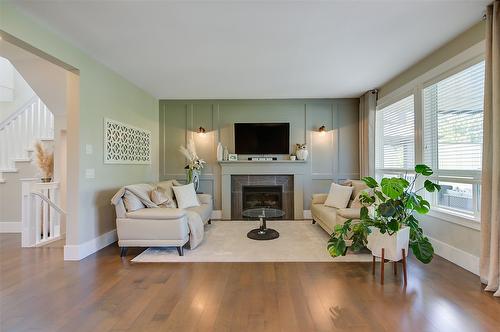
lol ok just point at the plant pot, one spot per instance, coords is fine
(392, 244)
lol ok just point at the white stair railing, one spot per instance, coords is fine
(41, 214)
(31, 122)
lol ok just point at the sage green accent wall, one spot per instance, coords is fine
(465, 40)
(102, 94)
(333, 156)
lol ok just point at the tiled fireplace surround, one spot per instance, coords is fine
(238, 182)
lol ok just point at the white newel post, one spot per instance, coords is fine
(40, 221)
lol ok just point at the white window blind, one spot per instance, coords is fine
(395, 138)
(453, 135)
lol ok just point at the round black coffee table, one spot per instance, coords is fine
(263, 233)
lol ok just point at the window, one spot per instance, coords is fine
(452, 138)
(395, 138)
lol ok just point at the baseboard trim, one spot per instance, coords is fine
(80, 251)
(10, 227)
(307, 214)
(456, 256)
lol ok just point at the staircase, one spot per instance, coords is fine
(19, 131)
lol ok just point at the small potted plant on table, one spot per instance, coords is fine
(387, 224)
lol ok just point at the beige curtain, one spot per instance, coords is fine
(490, 182)
(367, 105)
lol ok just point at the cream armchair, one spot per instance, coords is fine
(327, 217)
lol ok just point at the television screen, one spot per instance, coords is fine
(262, 138)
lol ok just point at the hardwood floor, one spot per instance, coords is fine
(41, 292)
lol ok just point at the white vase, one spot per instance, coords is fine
(220, 152)
(392, 244)
(302, 154)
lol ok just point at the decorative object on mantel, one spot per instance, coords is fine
(45, 162)
(232, 157)
(125, 144)
(293, 157)
(194, 164)
(201, 130)
(301, 151)
(387, 222)
(322, 129)
(226, 153)
(220, 152)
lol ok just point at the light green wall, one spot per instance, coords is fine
(102, 93)
(465, 40)
(451, 234)
(333, 156)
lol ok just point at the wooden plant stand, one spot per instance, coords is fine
(394, 266)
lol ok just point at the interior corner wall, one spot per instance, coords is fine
(453, 241)
(332, 156)
(102, 94)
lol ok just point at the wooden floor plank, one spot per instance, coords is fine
(41, 292)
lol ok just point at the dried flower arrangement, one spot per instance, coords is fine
(45, 161)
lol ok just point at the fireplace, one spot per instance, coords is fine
(263, 190)
(262, 197)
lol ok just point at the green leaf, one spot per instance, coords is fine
(393, 225)
(370, 182)
(363, 213)
(336, 246)
(423, 169)
(393, 187)
(423, 206)
(366, 199)
(380, 196)
(431, 186)
(386, 210)
(423, 250)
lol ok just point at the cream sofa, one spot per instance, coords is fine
(157, 227)
(327, 217)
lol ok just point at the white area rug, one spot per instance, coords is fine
(226, 241)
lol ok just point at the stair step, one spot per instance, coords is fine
(8, 170)
(22, 160)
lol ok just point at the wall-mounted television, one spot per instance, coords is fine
(262, 138)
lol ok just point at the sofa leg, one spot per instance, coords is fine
(180, 250)
(209, 221)
(313, 222)
(123, 251)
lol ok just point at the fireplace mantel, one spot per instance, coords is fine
(297, 168)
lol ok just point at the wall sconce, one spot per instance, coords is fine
(201, 130)
(322, 129)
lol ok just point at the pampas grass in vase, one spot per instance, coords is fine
(45, 162)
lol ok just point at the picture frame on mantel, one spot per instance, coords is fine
(233, 157)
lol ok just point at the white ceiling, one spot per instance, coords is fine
(257, 49)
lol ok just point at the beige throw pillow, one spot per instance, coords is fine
(160, 198)
(339, 196)
(132, 202)
(186, 196)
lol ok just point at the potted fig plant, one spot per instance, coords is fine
(387, 219)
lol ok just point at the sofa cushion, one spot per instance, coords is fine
(166, 187)
(338, 196)
(327, 215)
(349, 213)
(357, 187)
(157, 214)
(132, 202)
(203, 210)
(160, 198)
(186, 196)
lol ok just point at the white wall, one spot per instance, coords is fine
(21, 91)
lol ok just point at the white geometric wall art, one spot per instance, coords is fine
(125, 144)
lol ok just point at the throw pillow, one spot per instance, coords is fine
(132, 202)
(166, 187)
(186, 196)
(339, 196)
(161, 199)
